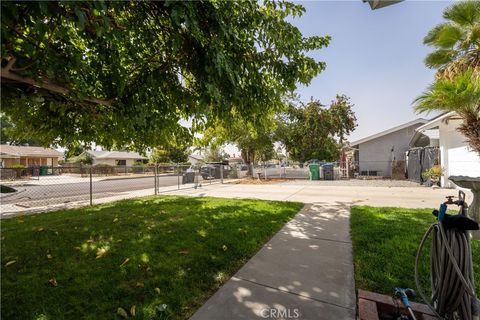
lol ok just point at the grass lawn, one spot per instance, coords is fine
(136, 255)
(385, 242)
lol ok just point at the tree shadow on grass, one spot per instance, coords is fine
(144, 252)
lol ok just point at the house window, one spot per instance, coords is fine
(121, 162)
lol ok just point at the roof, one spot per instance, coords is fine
(115, 155)
(196, 156)
(430, 129)
(24, 151)
(384, 133)
(433, 123)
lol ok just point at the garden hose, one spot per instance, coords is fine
(451, 274)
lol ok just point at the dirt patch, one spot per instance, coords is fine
(257, 181)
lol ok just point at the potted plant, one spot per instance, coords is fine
(434, 174)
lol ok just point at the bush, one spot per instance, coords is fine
(103, 169)
(17, 166)
(19, 170)
(138, 168)
(434, 173)
(233, 174)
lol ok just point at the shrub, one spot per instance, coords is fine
(434, 173)
(137, 168)
(103, 169)
(233, 174)
(17, 166)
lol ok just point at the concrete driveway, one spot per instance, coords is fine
(313, 191)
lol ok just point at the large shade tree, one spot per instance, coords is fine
(124, 73)
(314, 131)
(456, 57)
(254, 139)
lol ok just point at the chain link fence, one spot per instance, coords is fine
(46, 187)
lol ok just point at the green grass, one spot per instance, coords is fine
(385, 242)
(5, 189)
(179, 251)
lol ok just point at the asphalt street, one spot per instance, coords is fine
(74, 191)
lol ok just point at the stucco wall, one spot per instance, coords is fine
(456, 157)
(376, 154)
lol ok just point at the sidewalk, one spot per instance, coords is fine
(304, 272)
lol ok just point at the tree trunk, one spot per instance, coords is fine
(470, 128)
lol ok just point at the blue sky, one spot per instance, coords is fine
(375, 57)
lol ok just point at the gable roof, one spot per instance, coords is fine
(196, 156)
(24, 151)
(391, 130)
(115, 155)
(433, 123)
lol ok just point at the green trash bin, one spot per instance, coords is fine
(43, 170)
(314, 171)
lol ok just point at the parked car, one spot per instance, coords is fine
(211, 170)
(313, 161)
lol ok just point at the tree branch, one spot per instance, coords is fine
(45, 84)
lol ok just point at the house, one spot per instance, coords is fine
(456, 157)
(195, 159)
(235, 160)
(28, 156)
(115, 158)
(374, 155)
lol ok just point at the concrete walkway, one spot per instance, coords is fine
(304, 272)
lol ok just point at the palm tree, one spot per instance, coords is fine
(456, 41)
(461, 94)
(457, 60)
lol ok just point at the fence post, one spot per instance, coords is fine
(91, 187)
(155, 177)
(178, 176)
(221, 173)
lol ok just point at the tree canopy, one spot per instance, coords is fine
(253, 139)
(314, 131)
(7, 135)
(124, 73)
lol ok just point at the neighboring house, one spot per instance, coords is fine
(375, 154)
(235, 160)
(456, 157)
(28, 156)
(195, 159)
(115, 158)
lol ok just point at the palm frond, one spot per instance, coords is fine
(440, 58)
(449, 35)
(432, 35)
(460, 94)
(464, 13)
